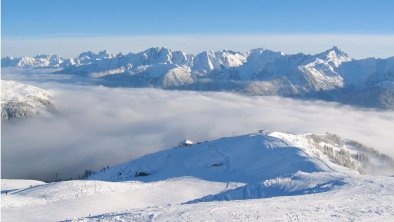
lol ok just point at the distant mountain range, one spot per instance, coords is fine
(331, 75)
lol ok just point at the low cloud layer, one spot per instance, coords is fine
(98, 126)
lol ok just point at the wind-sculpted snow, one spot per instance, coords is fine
(21, 100)
(299, 183)
(64, 199)
(364, 198)
(331, 75)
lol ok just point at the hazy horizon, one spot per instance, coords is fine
(67, 28)
(357, 46)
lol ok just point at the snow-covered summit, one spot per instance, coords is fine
(32, 62)
(220, 70)
(335, 56)
(248, 158)
(253, 158)
(331, 75)
(270, 174)
(22, 100)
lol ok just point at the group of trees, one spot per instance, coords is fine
(363, 158)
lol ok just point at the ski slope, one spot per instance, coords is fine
(73, 199)
(13, 185)
(259, 176)
(364, 198)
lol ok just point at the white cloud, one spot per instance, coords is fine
(358, 46)
(98, 126)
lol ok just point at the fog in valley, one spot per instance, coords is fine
(96, 126)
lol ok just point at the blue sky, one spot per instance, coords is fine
(42, 19)
(128, 17)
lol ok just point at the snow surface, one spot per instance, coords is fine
(67, 200)
(22, 100)
(365, 198)
(11, 185)
(330, 75)
(243, 159)
(255, 65)
(37, 61)
(260, 176)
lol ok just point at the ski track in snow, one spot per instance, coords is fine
(364, 199)
(175, 193)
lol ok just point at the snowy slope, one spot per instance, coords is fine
(180, 184)
(306, 72)
(32, 62)
(13, 185)
(63, 200)
(21, 100)
(244, 159)
(330, 190)
(331, 75)
(249, 158)
(340, 154)
(365, 198)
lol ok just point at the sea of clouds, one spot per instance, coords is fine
(96, 126)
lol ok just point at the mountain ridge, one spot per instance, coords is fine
(19, 100)
(227, 159)
(331, 75)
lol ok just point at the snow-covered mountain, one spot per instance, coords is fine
(263, 171)
(33, 62)
(22, 100)
(249, 158)
(86, 58)
(330, 75)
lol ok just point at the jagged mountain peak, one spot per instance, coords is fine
(155, 55)
(161, 49)
(104, 54)
(46, 56)
(263, 50)
(258, 71)
(86, 53)
(335, 56)
(333, 50)
(337, 50)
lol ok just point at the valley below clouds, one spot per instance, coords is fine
(96, 126)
